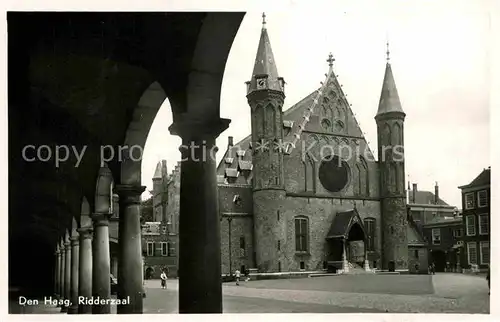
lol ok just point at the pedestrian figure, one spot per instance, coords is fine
(237, 275)
(163, 277)
(247, 275)
(433, 269)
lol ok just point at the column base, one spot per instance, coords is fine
(345, 266)
(73, 309)
(367, 266)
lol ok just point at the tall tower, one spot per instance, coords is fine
(390, 129)
(265, 94)
(159, 200)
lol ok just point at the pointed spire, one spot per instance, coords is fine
(158, 171)
(265, 66)
(389, 98)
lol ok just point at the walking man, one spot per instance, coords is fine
(237, 275)
(163, 277)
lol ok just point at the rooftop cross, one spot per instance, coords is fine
(388, 52)
(330, 60)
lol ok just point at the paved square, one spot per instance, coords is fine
(440, 293)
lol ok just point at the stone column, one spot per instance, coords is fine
(62, 274)
(200, 282)
(85, 269)
(130, 277)
(67, 274)
(75, 260)
(57, 273)
(114, 266)
(100, 263)
(345, 265)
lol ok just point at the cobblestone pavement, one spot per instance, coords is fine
(440, 293)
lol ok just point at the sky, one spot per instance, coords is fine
(439, 52)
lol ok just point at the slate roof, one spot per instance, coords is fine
(444, 220)
(484, 178)
(265, 63)
(424, 197)
(414, 238)
(342, 222)
(295, 118)
(389, 98)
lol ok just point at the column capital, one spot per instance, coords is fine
(67, 245)
(85, 232)
(75, 240)
(189, 127)
(100, 219)
(129, 194)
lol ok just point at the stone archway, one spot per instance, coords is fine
(355, 244)
(75, 79)
(346, 242)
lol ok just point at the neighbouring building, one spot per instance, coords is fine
(417, 249)
(425, 206)
(160, 237)
(476, 200)
(436, 222)
(444, 235)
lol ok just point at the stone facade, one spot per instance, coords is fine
(278, 202)
(160, 237)
(476, 203)
(418, 260)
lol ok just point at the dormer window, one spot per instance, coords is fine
(240, 153)
(228, 160)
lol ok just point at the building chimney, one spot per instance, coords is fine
(408, 191)
(414, 192)
(230, 141)
(436, 193)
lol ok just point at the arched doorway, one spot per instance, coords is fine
(438, 257)
(149, 273)
(355, 244)
(346, 241)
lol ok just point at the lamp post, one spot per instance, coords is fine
(236, 202)
(229, 220)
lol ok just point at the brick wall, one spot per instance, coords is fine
(321, 212)
(395, 241)
(418, 255)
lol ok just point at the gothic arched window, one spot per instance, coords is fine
(301, 234)
(386, 134)
(357, 175)
(396, 134)
(309, 173)
(370, 231)
(364, 176)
